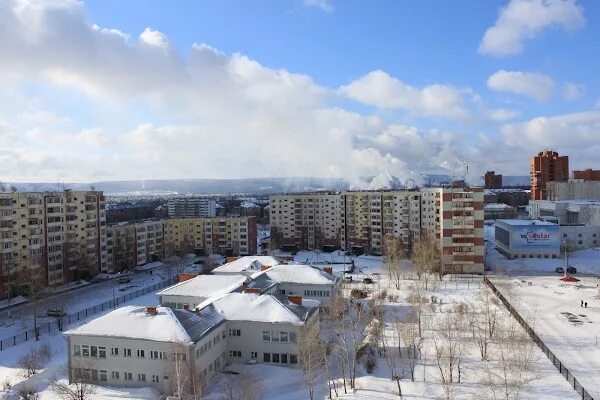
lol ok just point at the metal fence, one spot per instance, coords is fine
(557, 363)
(60, 323)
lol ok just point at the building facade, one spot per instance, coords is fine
(519, 238)
(55, 236)
(576, 189)
(454, 218)
(188, 207)
(229, 236)
(135, 243)
(546, 167)
(492, 181)
(305, 221)
(587, 174)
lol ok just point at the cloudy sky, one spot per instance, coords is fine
(114, 90)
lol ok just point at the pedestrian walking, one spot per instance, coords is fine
(581, 303)
(586, 304)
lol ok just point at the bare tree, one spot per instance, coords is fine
(511, 365)
(337, 311)
(448, 351)
(357, 318)
(389, 355)
(179, 370)
(393, 254)
(79, 387)
(416, 298)
(309, 356)
(426, 258)
(409, 341)
(241, 387)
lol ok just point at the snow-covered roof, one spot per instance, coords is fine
(134, 322)
(205, 286)
(262, 308)
(252, 263)
(524, 222)
(297, 273)
(249, 204)
(497, 206)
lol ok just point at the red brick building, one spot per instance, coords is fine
(547, 166)
(492, 181)
(587, 174)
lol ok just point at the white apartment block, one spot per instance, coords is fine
(454, 218)
(59, 236)
(135, 243)
(139, 346)
(305, 220)
(188, 207)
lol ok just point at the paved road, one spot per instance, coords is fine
(20, 317)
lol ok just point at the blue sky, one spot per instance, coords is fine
(394, 87)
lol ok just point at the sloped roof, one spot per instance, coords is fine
(205, 286)
(297, 273)
(198, 325)
(247, 263)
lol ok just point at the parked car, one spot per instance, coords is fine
(124, 279)
(572, 270)
(560, 270)
(55, 312)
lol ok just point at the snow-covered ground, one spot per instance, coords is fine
(553, 309)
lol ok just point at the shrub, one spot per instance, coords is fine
(45, 352)
(28, 394)
(358, 294)
(30, 363)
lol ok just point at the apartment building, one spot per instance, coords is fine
(139, 346)
(188, 207)
(546, 167)
(230, 236)
(305, 221)
(58, 236)
(454, 218)
(368, 216)
(135, 243)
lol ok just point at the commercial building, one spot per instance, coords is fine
(546, 167)
(492, 181)
(576, 189)
(499, 211)
(519, 238)
(587, 174)
(229, 236)
(135, 243)
(188, 207)
(55, 236)
(454, 218)
(305, 221)
(159, 346)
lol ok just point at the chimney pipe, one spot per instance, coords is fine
(264, 267)
(186, 307)
(151, 310)
(252, 290)
(295, 299)
(328, 270)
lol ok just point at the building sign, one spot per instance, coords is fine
(536, 237)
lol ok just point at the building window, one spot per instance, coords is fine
(126, 352)
(102, 352)
(142, 377)
(235, 353)
(274, 336)
(275, 357)
(77, 350)
(155, 378)
(293, 359)
(284, 358)
(103, 376)
(235, 332)
(266, 336)
(283, 336)
(141, 354)
(85, 350)
(253, 354)
(128, 376)
(267, 357)
(114, 351)
(115, 375)
(293, 337)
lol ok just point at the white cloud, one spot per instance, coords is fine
(154, 38)
(523, 20)
(503, 114)
(573, 91)
(324, 5)
(537, 86)
(379, 89)
(597, 105)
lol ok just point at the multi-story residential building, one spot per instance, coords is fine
(587, 174)
(369, 216)
(454, 218)
(135, 243)
(140, 346)
(305, 221)
(230, 236)
(57, 236)
(188, 207)
(546, 167)
(492, 181)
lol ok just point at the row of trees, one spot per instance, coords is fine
(425, 257)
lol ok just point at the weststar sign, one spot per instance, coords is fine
(535, 236)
